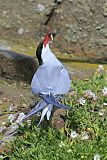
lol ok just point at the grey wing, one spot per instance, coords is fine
(51, 79)
(41, 81)
(61, 84)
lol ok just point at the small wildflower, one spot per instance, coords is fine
(90, 95)
(101, 112)
(100, 68)
(104, 104)
(94, 97)
(29, 122)
(11, 118)
(20, 117)
(96, 157)
(13, 126)
(61, 144)
(104, 91)
(73, 134)
(82, 101)
(84, 136)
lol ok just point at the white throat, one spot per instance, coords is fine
(46, 52)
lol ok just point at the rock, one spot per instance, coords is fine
(27, 30)
(59, 11)
(105, 9)
(58, 118)
(31, 0)
(40, 7)
(59, 1)
(17, 66)
(103, 41)
(59, 112)
(84, 21)
(7, 26)
(4, 47)
(4, 13)
(70, 1)
(21, 30)
(58, 123)
(104, 32)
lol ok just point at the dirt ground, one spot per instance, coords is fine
(15, 95)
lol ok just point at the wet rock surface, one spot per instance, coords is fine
(80, 25)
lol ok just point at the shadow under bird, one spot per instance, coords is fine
(50, 81)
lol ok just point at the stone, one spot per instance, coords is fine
(104, 41)
(4, 13)
(105, 9)
(4, 46)
(21, 30)
(58, 118)
(61, 17)
(85, 16)
(59, 11)
(104, 32)
(31, 0)
(59, 1)
(27, 30)
(40, 7)
(58, 123)
(70, 1)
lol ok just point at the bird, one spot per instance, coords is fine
(51, 80)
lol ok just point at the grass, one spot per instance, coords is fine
(46, 143)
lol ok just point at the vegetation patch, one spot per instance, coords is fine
(84, 136)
